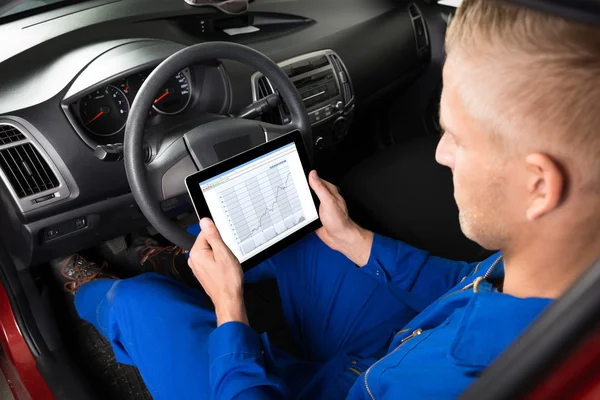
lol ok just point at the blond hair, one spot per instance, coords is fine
(552, 98)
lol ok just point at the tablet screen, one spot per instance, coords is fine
(257, 204)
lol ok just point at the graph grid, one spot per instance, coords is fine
(262, 207)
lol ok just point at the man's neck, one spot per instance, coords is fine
(545, 269)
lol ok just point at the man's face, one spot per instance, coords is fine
(481, 173)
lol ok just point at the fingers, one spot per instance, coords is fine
(201, 243)
(200, 249)
(212, 235)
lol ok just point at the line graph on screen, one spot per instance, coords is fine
(262, 206)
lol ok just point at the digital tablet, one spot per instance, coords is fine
(260, 199)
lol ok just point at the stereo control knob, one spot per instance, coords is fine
(319, 143)
(339, 128)
(339, 106)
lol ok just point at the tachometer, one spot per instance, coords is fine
(175, 95)
(104, 112)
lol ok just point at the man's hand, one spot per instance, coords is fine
(220, 274)
(339, 232)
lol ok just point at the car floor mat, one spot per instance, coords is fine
(110, 379)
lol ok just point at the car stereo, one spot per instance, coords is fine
(324, 85)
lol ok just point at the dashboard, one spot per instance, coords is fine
(71, 75)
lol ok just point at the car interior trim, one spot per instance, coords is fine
(27, 169)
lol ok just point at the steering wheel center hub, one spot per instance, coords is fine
(219, 140)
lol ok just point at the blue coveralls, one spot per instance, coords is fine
(405, 326)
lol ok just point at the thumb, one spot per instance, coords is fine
(211, 233)
(319, 187)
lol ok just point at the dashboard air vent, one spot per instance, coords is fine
(344, 78)
(264, 89)
(414, 11)
(10, 134)
(419, 28)
(27, 170)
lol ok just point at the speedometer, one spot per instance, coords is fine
(175, 95)
(104, 112)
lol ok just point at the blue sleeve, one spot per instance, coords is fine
(237, 366)
(409, 270)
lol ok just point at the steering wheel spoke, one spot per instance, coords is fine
(167, 172)
(273, 131)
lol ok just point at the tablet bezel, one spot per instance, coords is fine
(193, 181)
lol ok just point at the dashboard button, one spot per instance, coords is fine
(343, 77)
(80, 223)
(52, 232)
(319, 142)
(339, 128)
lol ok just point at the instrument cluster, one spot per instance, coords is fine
(104, 112)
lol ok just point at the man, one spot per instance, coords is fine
(375, 318)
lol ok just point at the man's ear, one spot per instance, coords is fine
(546, 184)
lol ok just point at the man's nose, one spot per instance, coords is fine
(445, 152)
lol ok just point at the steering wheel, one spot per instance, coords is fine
(180, 154)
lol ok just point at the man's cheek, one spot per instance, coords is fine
(460, 185)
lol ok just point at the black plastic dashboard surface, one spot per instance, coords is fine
(50, 60)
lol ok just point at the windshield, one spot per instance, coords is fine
(14, 7)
